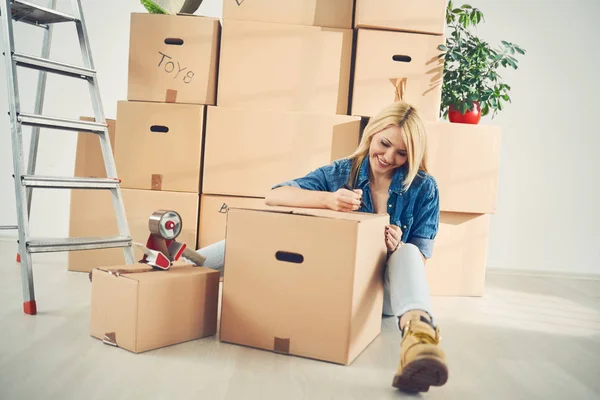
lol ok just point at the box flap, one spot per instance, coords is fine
(140, 272)
(315, 212)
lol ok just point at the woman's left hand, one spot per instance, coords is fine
(393, 235)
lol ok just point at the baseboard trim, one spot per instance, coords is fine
(542, 274)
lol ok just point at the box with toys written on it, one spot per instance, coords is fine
(173, 58)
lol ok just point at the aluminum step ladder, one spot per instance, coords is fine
(26, 180)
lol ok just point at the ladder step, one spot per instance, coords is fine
(61, 123)
(55, 67)
(24, 11)
(73, 244)
(55, 182)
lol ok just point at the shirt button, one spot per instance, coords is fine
(389, 205)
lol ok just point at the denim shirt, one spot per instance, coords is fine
(415, 210)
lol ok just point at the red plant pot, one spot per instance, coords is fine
(470, 117)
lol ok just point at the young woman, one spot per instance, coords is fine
(387, 174)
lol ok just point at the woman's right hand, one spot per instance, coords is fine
(345, 200)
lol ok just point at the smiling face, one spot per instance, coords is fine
(387, 151)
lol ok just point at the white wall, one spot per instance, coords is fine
(547, 215)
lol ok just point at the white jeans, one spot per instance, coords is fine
(405, 283)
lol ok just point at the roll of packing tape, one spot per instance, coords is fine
(172, 6)
(166, 224)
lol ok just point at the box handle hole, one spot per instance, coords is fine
(159, 129)
(174, 41)
(286, 256)
(401, 58)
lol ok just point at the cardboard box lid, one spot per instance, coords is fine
(140, 272)
(315, 212)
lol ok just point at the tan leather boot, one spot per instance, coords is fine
(422, 361)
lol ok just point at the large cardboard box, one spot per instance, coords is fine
(173, 58)
(89, 161)
(92, 215)
(424, 16)
(140, 309)
(212, 222)
(248, 151)
(325, 13)
(159, 146)
(392, 66)
(458, 264)
(284, 67)
(303, 282)
(464, 159)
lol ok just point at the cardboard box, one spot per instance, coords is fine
(391, 66)
(213, 215)
(464, 159)
(316, 281)
(458, 264)
(284, 67)
(424, 16)
(325, 13)
(92, 215)
(89, 161)
(140, 309)
(248, 151)
(159, 146)
(173, 58)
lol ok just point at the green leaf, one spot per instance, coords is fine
(468, 7)
(505, 97)
(519, 50)
(463, 108)
(485, 109)
(442, 47)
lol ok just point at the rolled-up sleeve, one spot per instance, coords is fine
(426, 220)
(314, 180)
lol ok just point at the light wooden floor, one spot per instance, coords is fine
(527, 338)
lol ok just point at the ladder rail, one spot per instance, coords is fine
(109, 162)
(17, 153)
(40, 95)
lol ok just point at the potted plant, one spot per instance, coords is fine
(472, 86)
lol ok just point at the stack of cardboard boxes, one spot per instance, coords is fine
(216, 115)
(397, 58)
(282, 102)
(159, 135)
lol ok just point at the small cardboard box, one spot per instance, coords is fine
(458, 264)
(284, 67)
(325, 13)
(213, 215)
(424, 16)
(304, 282)
(248, 151)
(159, 146)
(89, 161)
(93, 215)
(391, 66)
(464, 159)
(173, 58)
(140, 309)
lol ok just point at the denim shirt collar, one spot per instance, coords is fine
(397, 185)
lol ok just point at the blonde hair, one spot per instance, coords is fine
(406, 117)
